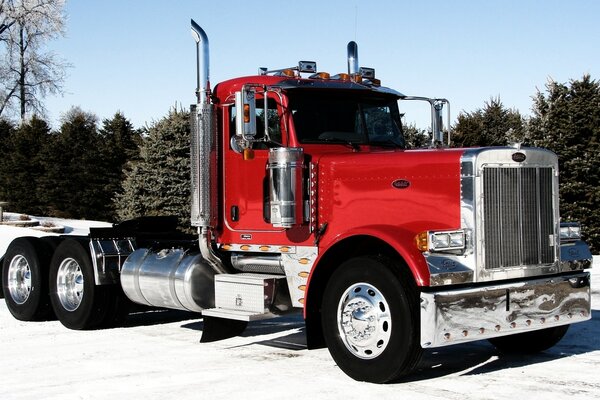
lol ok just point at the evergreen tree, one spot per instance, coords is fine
(494, 125)
(74, 181)
(159, 183)
(23, 167)
(415, 138)
(119, 143)
(6, 132)
(566, 120)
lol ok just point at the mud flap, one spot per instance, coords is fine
(221, 328)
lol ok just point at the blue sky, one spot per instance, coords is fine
(138, 57)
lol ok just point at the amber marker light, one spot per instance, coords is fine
(248, 154)
(246, 113)
(320, 75)
(421, 241)
(341, 77)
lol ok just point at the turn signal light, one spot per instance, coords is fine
(246, 113)
(421, 240)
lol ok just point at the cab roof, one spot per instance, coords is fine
(229, 87)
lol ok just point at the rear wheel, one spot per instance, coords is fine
(370, 320)
(77, 301)
(530, 342)
(25, 279)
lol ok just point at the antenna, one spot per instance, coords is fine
(355, 21)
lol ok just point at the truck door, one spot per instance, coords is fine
(245, 188)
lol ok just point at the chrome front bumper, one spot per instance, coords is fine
(464, 315)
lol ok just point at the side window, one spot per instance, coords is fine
(273, 123)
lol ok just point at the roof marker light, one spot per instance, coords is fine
(320, 75)
(341, 77)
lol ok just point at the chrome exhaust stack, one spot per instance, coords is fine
(203, 151)
(202, 64)
(352, 58)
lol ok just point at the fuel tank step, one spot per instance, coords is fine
(249, 296)
(247, 316)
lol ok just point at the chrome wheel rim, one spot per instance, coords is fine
(19, 279)
(69, 284)
(364, 321)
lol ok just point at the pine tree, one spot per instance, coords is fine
(23, 167)
(566, 120)
(73, 184)
(159, 183)
(6, 132)
(494, 125)
(415, 138)
(119, 143)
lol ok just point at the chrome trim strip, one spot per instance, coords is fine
(297, 267)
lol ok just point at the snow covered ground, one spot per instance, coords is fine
(158, 355)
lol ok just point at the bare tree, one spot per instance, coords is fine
(5, 20)
(27, 72)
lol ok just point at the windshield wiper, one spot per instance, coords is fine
(353, 145)
(387, 143)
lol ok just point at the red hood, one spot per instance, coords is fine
(416, 190)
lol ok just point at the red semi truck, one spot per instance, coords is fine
(306, 198)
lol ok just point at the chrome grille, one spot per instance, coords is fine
(518, 216)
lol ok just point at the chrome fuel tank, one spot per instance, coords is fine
(170, 278)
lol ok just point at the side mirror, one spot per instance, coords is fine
(245, 107)
(437, 123)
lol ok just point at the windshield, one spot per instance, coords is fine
(345, 117)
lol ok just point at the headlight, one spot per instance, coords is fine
(441, 241)
(570, 231)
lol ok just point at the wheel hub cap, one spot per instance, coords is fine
(69, 284)
(365, 324)
(19, 279)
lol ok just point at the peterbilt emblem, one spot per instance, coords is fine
(519, 157)
(401, 184)
(574, 252)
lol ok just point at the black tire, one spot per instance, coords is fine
(77, 301)
(530, 342)
(371, 290)
(25, 279)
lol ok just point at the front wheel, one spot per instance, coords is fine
(370, 320)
